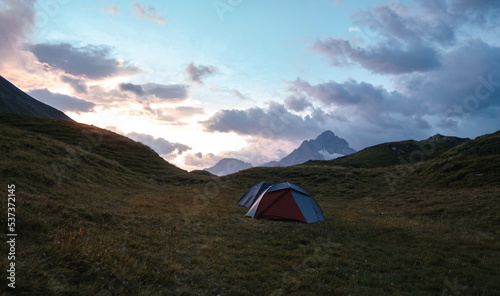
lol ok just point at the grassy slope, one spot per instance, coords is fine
(124, 233)
(83, 138)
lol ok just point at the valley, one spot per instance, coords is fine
(119, 220)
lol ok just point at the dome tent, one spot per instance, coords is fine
(253, 193)
(285, 201)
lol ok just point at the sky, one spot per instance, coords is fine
(202, 80)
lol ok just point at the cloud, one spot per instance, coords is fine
(78, 85)
(200, 161)
(196, 72)
(160, 145)
(17, 22)
(464, 90)
(178, 113)
(428, 22)
(484, 12)
(91, 61)
(138, 90)
(150, 13)
(383, 59)
(275, 122)
(112, 9)
(469, 80)
(413, 26)
(297, 103)
(171, 92)
(361, 101)
(164, 92)
(62, 102)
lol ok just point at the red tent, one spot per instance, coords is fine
(285, 201)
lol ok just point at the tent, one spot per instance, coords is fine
(253, 193)
(285, 201)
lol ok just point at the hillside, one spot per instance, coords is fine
(108, 227)
(396, 153)
(74, 145)
(13, 100)
(473, 163)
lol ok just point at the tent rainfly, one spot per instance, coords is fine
(253, 193)
(285, 201)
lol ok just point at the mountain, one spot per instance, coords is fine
(325, 147)
(228, 166)
(14, 100)
(394, 153)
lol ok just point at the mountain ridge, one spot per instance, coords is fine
(326, 145)
(395, 153)
(15, 101)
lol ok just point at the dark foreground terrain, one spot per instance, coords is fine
(99, 214)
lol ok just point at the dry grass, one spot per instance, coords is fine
(108, 230)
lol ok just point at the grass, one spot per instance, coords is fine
(109, 228)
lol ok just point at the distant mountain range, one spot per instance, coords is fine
(228, 166)
(13, 100)
(325, 147)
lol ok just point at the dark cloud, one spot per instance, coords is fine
(429, 21)
(62, 102)
(78, 85)
(164, 92)
(138, 90)
(360, 100)
(160, 145)
(483, 12)
(465, 89)
(439, 81)
(297, 103)
(275, 122)
(149, 13)
(397, 22)
(468, 81)
(17, 21)
(382, 59)
(339, 94)
(170, 92)
(91, 61)
(196, 72)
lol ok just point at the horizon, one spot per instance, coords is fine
(203, 81)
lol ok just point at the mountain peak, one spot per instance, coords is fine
(228, 166)
(325, 147)
(327, 133)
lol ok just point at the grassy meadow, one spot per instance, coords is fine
(99, 214)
